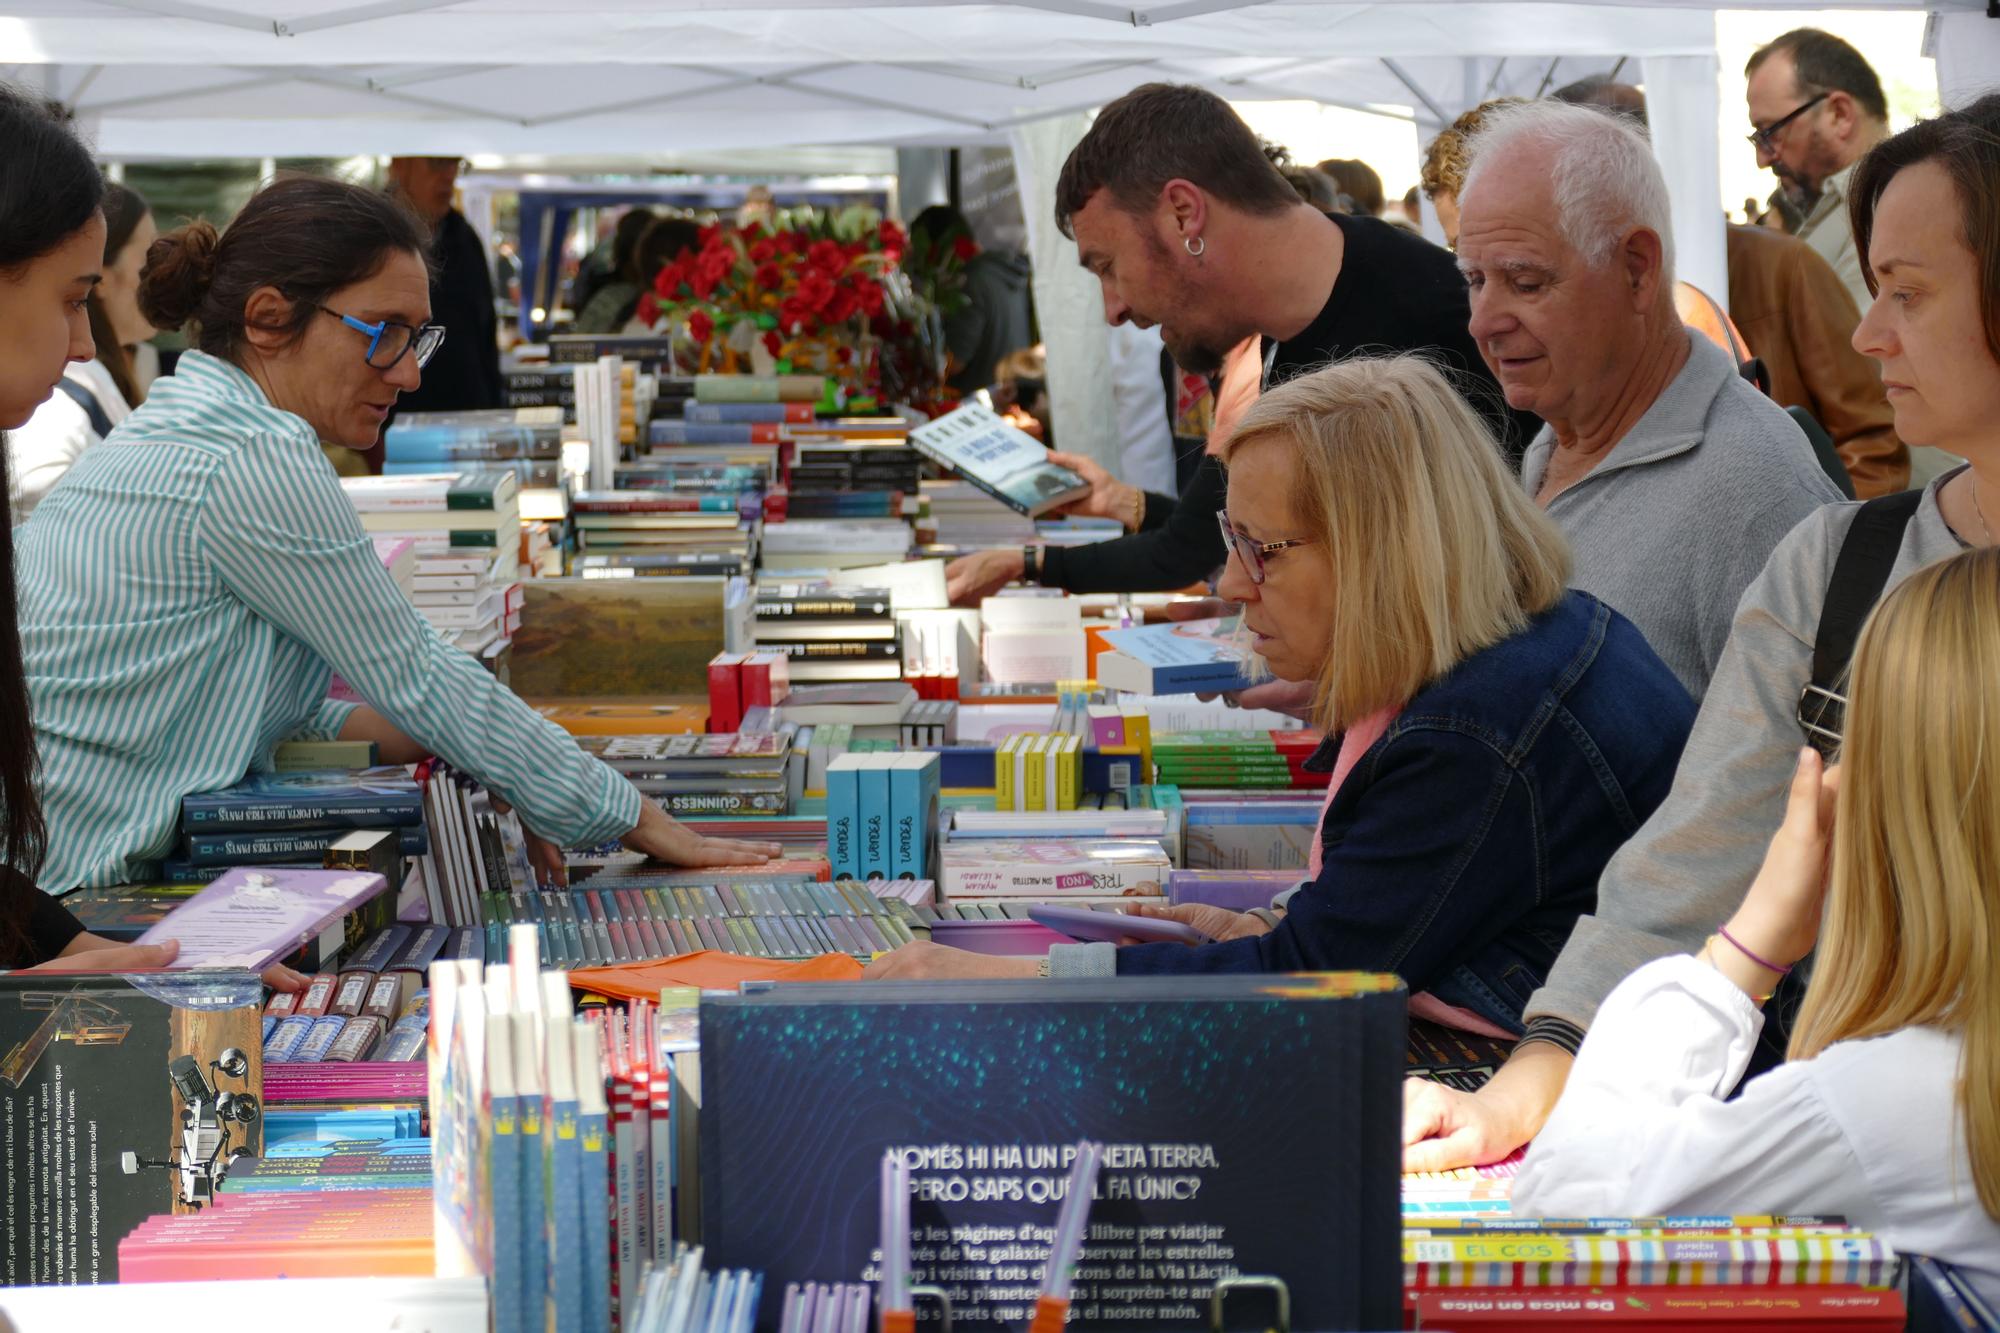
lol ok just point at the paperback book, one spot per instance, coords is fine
(1008, 464)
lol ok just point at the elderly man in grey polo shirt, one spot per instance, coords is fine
(1672, 476)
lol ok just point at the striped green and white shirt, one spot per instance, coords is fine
(185, 590)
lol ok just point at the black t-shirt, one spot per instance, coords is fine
(1396, 292)
(465, 373)
(49, 927)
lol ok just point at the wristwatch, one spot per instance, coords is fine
(1031, 564)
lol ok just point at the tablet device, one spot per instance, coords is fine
(1080, 923)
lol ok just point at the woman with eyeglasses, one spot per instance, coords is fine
(1492, 737)
(188, 586)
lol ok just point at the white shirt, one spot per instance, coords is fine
(55, 437)
(1139, 395)
(1866, 1129)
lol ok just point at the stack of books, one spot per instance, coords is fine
(466, 530)
(1658, 1273)
(959, 516)
(526, 441)
(1237, 759)
(1052, 869)
(321, 1227)
(539, 386)
(834, 543)
(846, 634)
(373, 1009)
(292, 819)
(881, 811)
(629, 522)
(728, 773)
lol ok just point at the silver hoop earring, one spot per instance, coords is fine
(1195, 245)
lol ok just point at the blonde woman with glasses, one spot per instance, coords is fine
(1492, 737)
(1888, 1109)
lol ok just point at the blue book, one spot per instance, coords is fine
(914, 797)
(779, 412)
(593, 1137)
(533, 1275)
(562, 1159)
(843, 815)
(271, 847)
(1181, 657)
(502, 1176)
(371, 798)
(873, 786)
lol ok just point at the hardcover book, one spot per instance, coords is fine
(1008, 464)
(370, 798)
(986, 1088)
(250, 919)
(1182, 657)
(96, 1073)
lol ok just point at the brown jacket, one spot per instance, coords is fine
(1798, 318)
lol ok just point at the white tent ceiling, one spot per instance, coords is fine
(310, 77)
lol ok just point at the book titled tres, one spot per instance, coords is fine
(1251, 1126)
(1010, 465)
(1180, 658)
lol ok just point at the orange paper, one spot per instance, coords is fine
(709, 969)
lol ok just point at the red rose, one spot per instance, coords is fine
(826, 256)
(700, 326)
(708, 235)
(840, 307)
(772, 342)
(668, 281)
(815, 290)
(844, 355)
(891, 235)
(871, 298)
(649, 308)
(764, 251)
(769, 276)
(964, 248)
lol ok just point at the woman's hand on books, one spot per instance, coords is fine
(94, 953)
(1218, 922)
(921, 960)
(1444, 1129)
(664, 838)
(279, 977)
(1780, 916)
(971, 579)
(1108, 498)
(545, 858)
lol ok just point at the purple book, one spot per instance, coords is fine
(252, 916)
(1236, 890)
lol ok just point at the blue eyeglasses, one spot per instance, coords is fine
(389, 342)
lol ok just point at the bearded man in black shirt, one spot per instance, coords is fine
(1187, 225)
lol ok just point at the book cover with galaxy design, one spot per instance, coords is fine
(1251, 1123)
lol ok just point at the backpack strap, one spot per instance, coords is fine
(87, 400)
(1860, 572)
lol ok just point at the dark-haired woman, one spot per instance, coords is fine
(51, 255)
(188, 587)
(95, 395)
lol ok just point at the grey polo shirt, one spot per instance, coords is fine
(1675, 521)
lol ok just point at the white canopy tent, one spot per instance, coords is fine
(259, 78)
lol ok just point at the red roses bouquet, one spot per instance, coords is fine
(816, 295)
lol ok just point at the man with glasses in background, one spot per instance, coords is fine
(1816, 108)
(464, 375)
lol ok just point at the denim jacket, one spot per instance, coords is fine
(1465, 842)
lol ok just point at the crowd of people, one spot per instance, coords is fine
(1649, 746)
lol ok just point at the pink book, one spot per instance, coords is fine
(252, 916)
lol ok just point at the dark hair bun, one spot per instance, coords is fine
(180, 266)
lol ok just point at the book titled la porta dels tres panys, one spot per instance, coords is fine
(1008, 464)
(1251, 1126)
